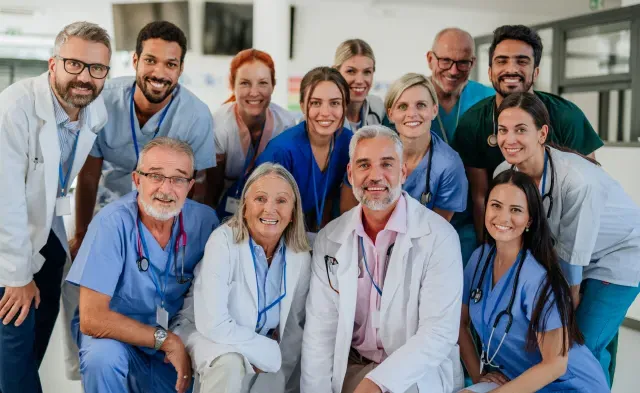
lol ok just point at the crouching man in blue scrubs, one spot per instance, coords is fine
(134, 268)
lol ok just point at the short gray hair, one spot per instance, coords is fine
(84, 30)
(295, 236)
(170, 143)
(375, 131)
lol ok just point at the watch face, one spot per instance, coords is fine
(160, 334)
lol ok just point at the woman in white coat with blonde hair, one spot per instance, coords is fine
(245, 311)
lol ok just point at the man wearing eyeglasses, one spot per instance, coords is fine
(47, 127)
(134, 268)
(451, 60)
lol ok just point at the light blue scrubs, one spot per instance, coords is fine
(269, 282)
(471, 94)
(292, 150)
(107, 263)
(187, 119)
(583, 374)
(448, 181)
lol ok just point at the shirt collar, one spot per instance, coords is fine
(61, 116)
(397, 222)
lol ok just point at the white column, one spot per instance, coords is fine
(625, 3)
(271, 26)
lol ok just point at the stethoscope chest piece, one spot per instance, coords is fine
(425, 198)
(476, 295)
(143, 264)
(492, 140)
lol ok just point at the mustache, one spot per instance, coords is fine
(504, 76)
(163, 197)
(375, 184)
(157, 80)
(81, 85)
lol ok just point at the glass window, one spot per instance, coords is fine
(598, 50)
(482, 63)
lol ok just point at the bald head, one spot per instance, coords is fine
(450, 59)
(453, 37)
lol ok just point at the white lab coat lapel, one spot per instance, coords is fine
(395, 271)
(293, 273)
(85, 143)
(249, 272)
(48, 140)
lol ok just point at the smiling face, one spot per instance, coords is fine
(413, 112)
(268, 207)
(158, 69)
(453, 45)
(376, 173)
(253, 88)
(77, 91)
(358, 72)
(512, 68)
(325, 112)
(507, 215)
(518, 137)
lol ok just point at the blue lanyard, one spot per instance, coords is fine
(161, 291)
(279, 299)
(252, 152)
(64, 180)
(364, 256)
(544, 172)
(133, 125)
(485, 298)
(319, 205)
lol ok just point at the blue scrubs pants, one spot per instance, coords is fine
(601, 311)
(22, 348)
(109, 366)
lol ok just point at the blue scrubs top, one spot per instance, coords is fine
(448, 182)
(187, 119)
(292, 150)
(470, 95)
(107, 259)
(584, 373)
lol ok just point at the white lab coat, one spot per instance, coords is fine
(223, 306)
(420, 307)
(29, 159)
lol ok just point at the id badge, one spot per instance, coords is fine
(231, 206)
(63, 205)
(375, 319)
(162, 317)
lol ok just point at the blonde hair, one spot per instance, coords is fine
(403, 83)
(295, 236)
(350, 48)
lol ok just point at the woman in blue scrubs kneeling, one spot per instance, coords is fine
(316, 151)
(519, 302)
(436, 175)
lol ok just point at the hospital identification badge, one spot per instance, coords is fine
(63, 205)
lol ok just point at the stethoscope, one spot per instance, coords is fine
(444, 131)
(426, 196)
(492, 140)
(179, 248)
(543, 182)
(259, 326)
(477, 294)
(132, 121)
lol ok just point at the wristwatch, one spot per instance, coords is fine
(160, 335)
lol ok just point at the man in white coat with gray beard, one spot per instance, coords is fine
(384, 302)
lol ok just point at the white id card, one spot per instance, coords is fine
(232, 205)
(63, 205)
(375, 319)
(162, 317)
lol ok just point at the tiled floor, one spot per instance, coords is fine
(627, 376)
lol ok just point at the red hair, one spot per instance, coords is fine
(249, 56)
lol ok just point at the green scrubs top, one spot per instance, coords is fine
(570, 128)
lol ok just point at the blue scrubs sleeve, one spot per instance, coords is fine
(100, 260)
(277, 155)
(203, 144)
(551, 316)
(453, 188)
(573, 273)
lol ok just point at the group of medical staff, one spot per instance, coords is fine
(373, 246)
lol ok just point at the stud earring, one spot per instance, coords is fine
(526, 229)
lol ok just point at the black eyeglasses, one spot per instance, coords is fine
(159, 179)
(445, 63)
(75, 67)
